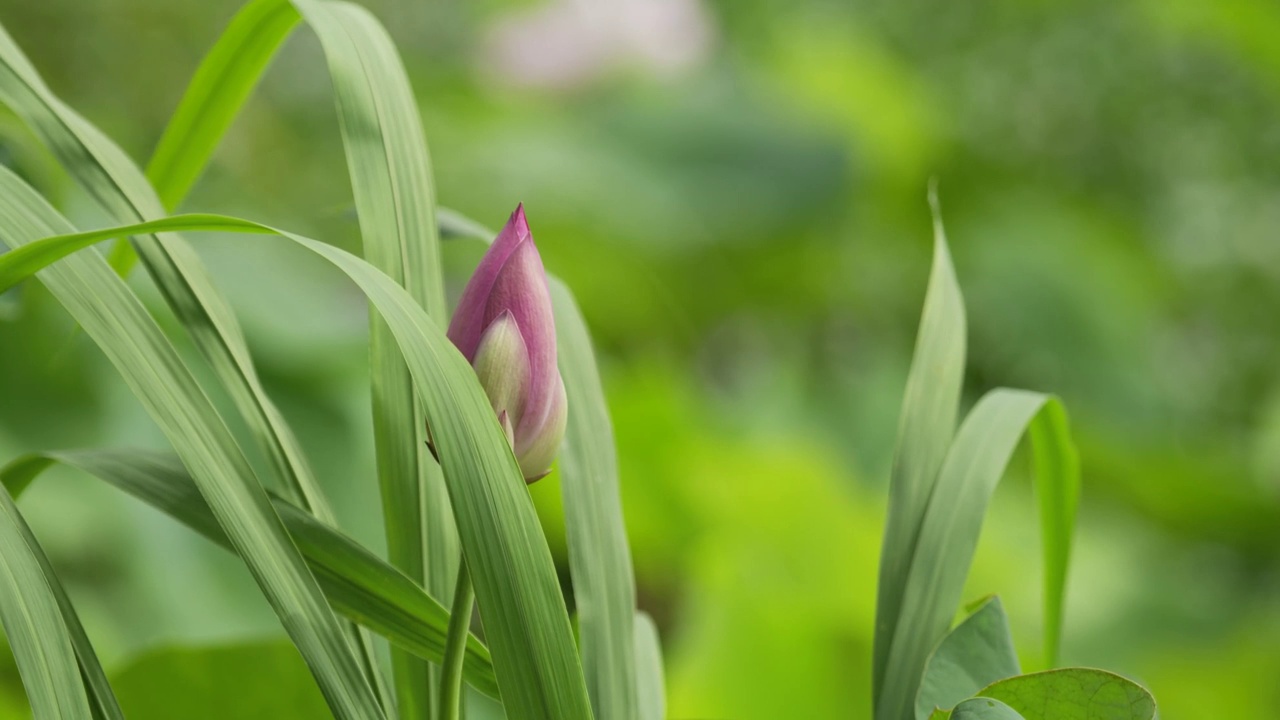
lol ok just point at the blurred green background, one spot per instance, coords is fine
(735, 189)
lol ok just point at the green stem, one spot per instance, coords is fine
(456, 645)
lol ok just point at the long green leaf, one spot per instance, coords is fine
(391, 180)
(599, 557)
(649, 673)
(358, 583)
(121, 188)
(34, 622)
(525, 620)
(949, 532)
(925, 428)
(1057, 470)
(395, 201)
(105, 705)
(223, 82)
(120, 326)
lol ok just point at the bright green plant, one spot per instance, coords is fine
(456, 510)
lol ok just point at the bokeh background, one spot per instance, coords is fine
(735, 189)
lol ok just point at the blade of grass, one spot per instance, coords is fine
(114, 318)
(599, 557)
(224, 81)
(1057, 472)
(953, 519)
(48, 643)
(929, 409)
(120, 187)
(464, 596)
(395, 201)
(391, 181)
(358, 583)
(650, 683)
(525, 619)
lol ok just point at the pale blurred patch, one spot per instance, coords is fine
(566, 44)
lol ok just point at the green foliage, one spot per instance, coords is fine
(34, 623)
(356, 582)
(537, 668)
(112, 315)
(936, 513)
(1074, 694)
(599, 558)
(985, 709)
(651, 704)
(976, 653)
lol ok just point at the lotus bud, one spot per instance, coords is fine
(504, 327)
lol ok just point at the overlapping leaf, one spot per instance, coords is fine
(32, 614)
(358, 583)
(115, 319)
(528, 630)
(941, 487)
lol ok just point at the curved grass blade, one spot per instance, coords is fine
(649, 674)
(599, 557)
(929, 409)
(37, 624)
(525, 619)
(224, 81)
(359, 584)
(108, 174)
(391, 180)
(952, 521)
(102, 699)
(1057, 471)
(110, 314)
(395, 201)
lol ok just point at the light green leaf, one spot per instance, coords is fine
(224, 81)
(985, 709)
(1074, 694)
(34, 622)
(117, 322)
(925, 427)
(650, 683)
(949, 534)
(357, 583)
(976, 653)
(525, 620)
(395, 200)
(1057, 471)
(264, 680)
(111, 178)
(940, 488)
(599, 557)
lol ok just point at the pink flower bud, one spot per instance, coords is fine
(504, 327)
